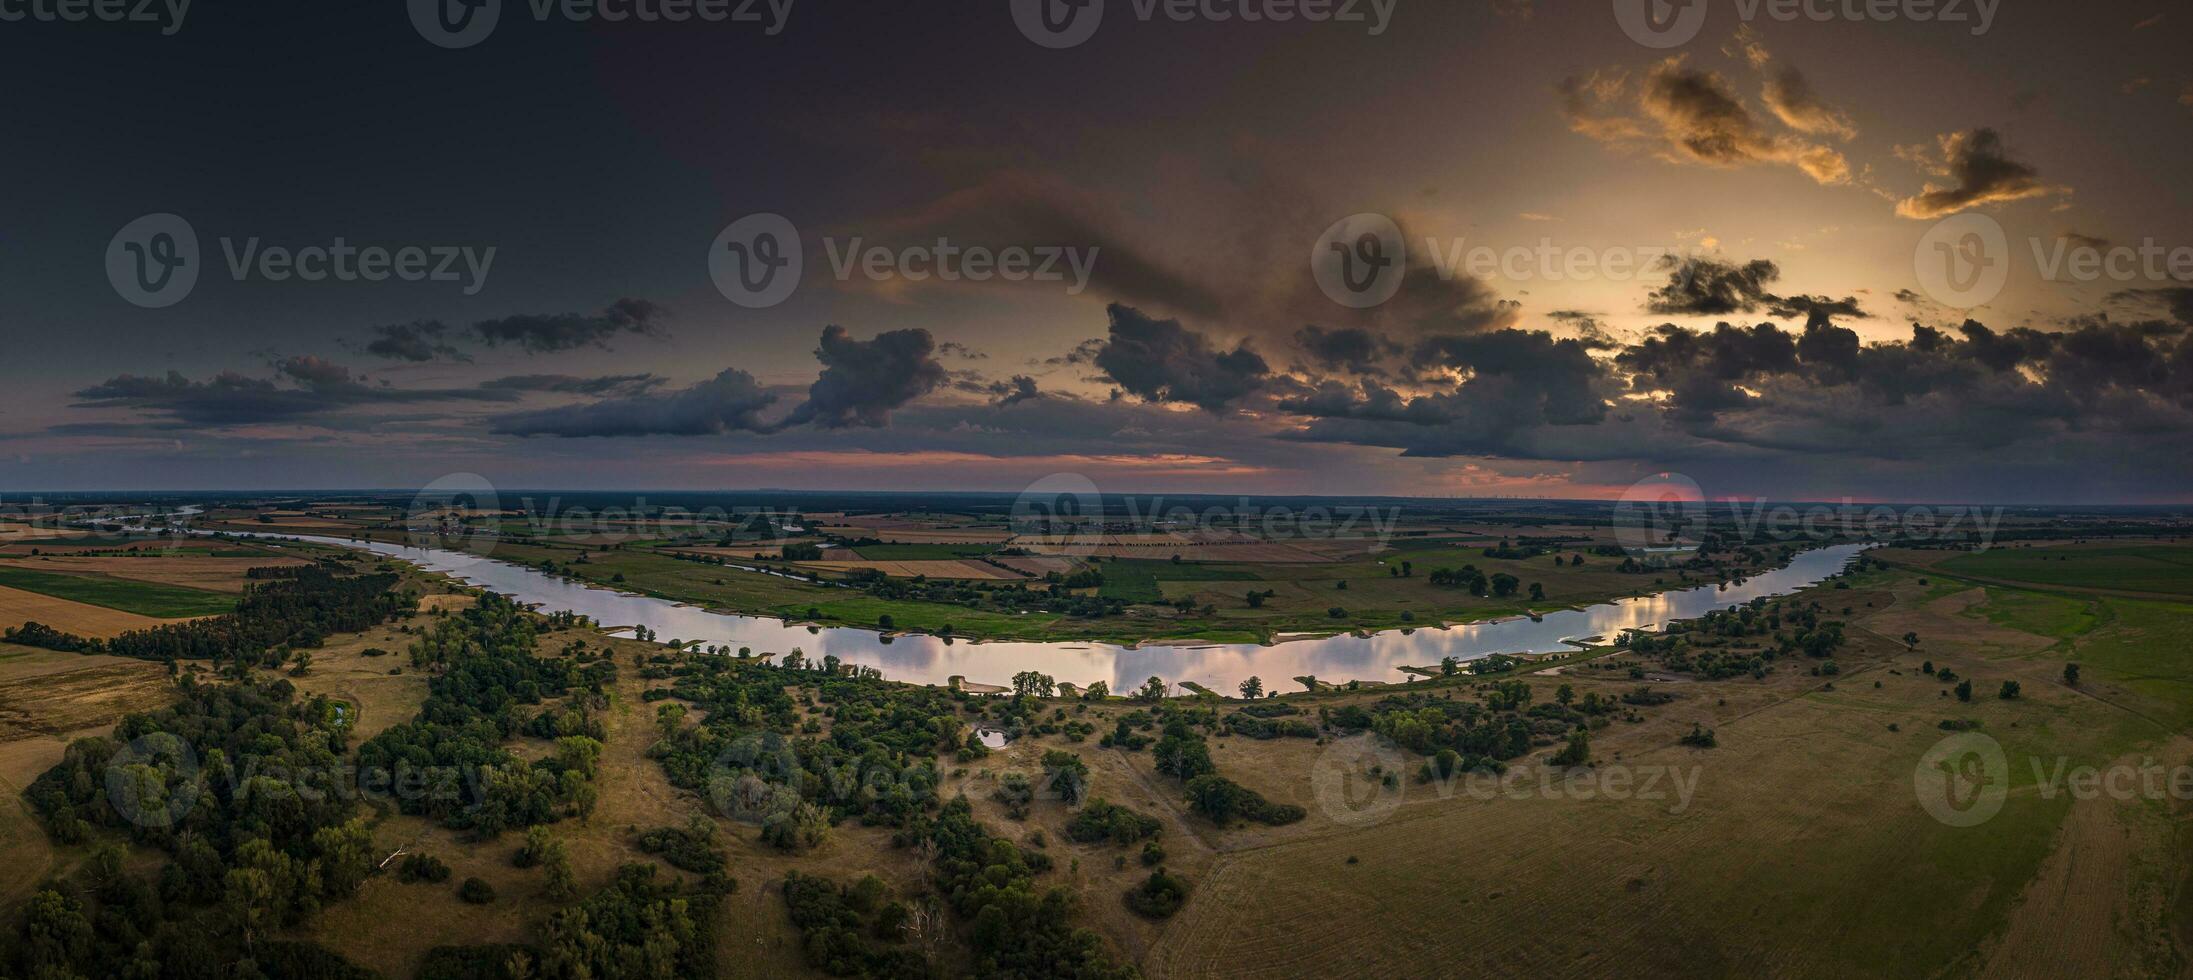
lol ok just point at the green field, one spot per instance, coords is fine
(922, 552)
(2159, 569)
(142, 598)
(1137, 581)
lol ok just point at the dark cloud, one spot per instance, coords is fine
(1353, 349)
(2176, 301)
(304, 387)
(1515, 383)
(864, 380)
(608, 384)
(419, 340)
(729, 402)
(1162, 361)
(1013, 391)
(1695, 116)
(962, 351)
(1702, 286)
(549, 333)
(1981, 172)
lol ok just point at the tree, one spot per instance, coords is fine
(1964, 689)
(1911, 640)
(1097, 691)
(1577, 752)
(1065, 774)
(670, 719)
(1255, 600)
(1564, 695)
(1504, 584)
(1449, 666)
(1538, 592)
(1033, 684)
(1253, 688)
(1153, 691)
(2009, 691)
(2071, 674)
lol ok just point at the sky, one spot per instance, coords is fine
(1460, 248)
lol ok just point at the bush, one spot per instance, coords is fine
(2009, 691)
(422, 867)
(476, 891)
(1700, 737)
(1159, 896)
(1105, 821)
(1224, 801)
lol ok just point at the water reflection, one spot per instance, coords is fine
(932, 660)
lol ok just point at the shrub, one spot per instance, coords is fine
(476, 891)
(1159, 896)
(422, 867)
(1101, 820)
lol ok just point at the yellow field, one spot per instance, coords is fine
(47, 700)
(18, 607)
(947, 568)
(214, 573)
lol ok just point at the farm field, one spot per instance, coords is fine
(2158, 569)
(83, 619)
(130, 595)
(212, 573)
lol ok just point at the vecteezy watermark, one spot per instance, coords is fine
(458, 24)
(1549, 261)
(463, 513)
(458, 513)
(1360, 260)
(759, 260)
(1668, 516)
(1060, 24)
(1661, 513)
(1360, 781)
(1964, 780)
(156, 781)
(1064, 514)
(1965, 260)
(155, 262)
(1063, 510)
(168, 14)
(1673, 23)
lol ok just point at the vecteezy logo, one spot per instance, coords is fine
(1058, 24)
(153, 781)
(1360, 261)
(1661, 23)
(1358, 781)
(757, 261)
(1963, 780)
(153, 261)
(457, 513)
(1062, 513)
(1963, 261)
(1664, 514)
(455, 23)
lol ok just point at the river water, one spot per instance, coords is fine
(1220, 667)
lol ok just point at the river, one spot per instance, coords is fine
(1220, 667)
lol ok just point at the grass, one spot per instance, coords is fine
(2040, 613)
(1137, 581)
(922, 552)
(143, 598)
(2128, 568)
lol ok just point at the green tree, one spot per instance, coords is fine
(1253, 688)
